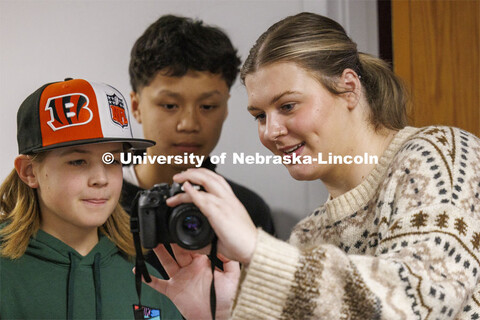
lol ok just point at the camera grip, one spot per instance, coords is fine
(147, 222)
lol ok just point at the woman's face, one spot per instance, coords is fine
(297, 115)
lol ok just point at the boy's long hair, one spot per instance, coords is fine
(20, 220)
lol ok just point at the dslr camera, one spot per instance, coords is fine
(184, 224)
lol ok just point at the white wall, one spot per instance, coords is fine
(47, 40)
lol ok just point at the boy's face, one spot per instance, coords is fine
(76, 189)
(182, 114)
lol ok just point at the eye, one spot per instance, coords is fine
(208, 106)
(115, 161)
(259, 117)
(169, 106)
(287, 107)
(77, 163)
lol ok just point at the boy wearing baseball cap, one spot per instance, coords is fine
(65, 240)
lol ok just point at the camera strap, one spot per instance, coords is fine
(213, 296)
(140, 265)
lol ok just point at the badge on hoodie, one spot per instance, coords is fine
(143, 312)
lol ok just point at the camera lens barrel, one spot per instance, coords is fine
(183, 224)
(189, 228)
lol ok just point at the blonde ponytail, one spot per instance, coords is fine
(386, 94)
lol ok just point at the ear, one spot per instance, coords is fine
(24, 168)
(350, 82)
(135, 105)
(226, 112)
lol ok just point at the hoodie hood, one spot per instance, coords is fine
(46, 247)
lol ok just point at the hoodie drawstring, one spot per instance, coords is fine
(71, 285)
(96, 282)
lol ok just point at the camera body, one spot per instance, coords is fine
(184, 224)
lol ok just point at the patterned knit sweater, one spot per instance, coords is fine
(404, 244)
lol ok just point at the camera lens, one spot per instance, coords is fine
(189, 228)
(192, 224)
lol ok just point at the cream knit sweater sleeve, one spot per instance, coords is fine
(405, 244)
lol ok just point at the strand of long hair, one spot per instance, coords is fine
(117, 229)
(19, 216)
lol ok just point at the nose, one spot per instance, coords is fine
(98, 176)
(188, 121)
(275, 128)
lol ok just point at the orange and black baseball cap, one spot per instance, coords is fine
(74, 112)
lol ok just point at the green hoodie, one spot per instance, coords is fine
(53, 281)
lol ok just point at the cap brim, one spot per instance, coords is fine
(134, 143)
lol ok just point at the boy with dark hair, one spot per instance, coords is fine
(181, 72)
(174, 45)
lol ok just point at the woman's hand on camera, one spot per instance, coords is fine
(190, 279)
(237, 235)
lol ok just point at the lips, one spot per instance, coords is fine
(187, 146)
(95, 201)
(291, 149)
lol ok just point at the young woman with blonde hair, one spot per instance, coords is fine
(397, 239)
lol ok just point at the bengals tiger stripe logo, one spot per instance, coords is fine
(68, 110)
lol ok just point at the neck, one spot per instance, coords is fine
(148, 175)
(82, 240)
(348, 176)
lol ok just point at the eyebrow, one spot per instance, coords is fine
(274, 99)
(83, 151)
(168, 93)
(280, 95)
(209, 94)
(173, 94)
(116, 151)
(69, 151)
